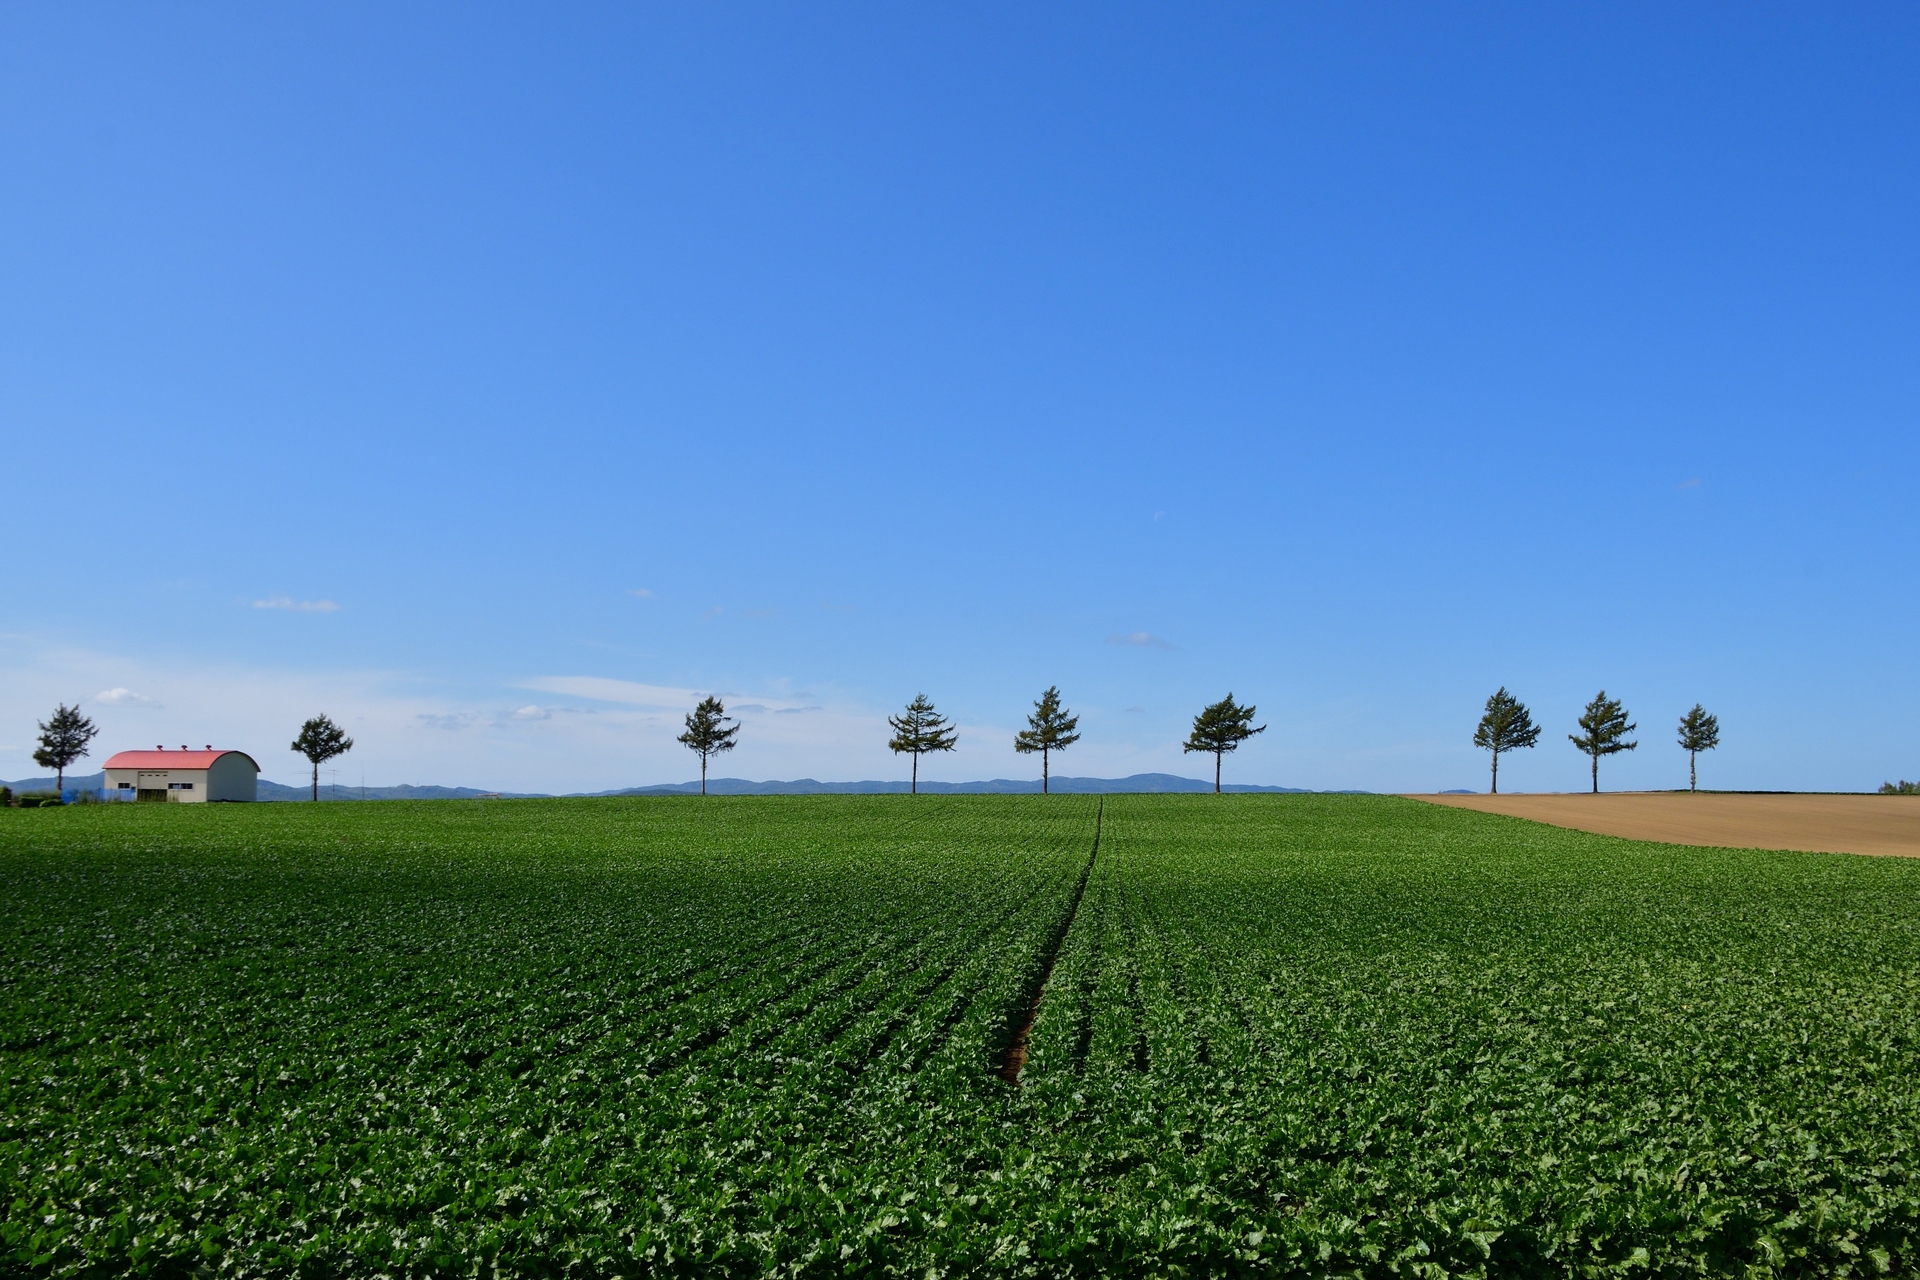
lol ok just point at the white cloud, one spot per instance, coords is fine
(125, 698)
(599, 732)
(657, 697)
(625, 693)
(298, 606)
(1138, 639)
(641, 592)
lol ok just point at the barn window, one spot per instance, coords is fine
(179, 786)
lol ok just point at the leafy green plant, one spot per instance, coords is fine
(1308, 1035)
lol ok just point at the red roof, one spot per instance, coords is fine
(164, 759)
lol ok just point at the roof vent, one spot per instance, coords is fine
(183, 746)
(159, 746)
(209, 746)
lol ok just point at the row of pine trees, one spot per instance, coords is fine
(1223, 726)
(921, 730)
(1508, 726)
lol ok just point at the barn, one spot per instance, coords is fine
(183, 776)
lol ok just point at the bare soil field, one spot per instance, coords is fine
(1888, 825)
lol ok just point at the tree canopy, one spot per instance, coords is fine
(920, 729)
(710, 731)
(1698, 732)
(321, 740)
(1221, 728)
(1506, 726)
(1603, 731)
(63, 739)
(1048, 729)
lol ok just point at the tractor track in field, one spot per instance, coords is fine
(1015, 1057)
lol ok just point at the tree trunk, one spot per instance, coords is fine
(1043, 771)
(916, 774)
(1693, 780)
(703, 775)
(1596, 773)
(316, 782)
(1216, 773)
(1496, 773)
(60, 780)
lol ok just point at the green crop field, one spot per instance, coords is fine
(1277, 1035)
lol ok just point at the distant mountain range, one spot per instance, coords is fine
(276, 791)
(1139, 782)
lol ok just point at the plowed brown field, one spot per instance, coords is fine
(1815, 823)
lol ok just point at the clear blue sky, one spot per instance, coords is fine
(499, 379)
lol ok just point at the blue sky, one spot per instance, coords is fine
(501, 379)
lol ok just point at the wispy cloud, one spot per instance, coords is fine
(1136, 711)
(657, 697)
(411, 727)
(531, 712)
(1689, 484)
(125, 698)
(626, 693)
(1138, 640)
(642, 592)
(298, 606)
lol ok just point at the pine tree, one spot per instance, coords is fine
(1221, 728)
(708, 734)
(1605, 729)
(920, 729)
(1048, 729)
(63, 739)
(1698, 732)
(321, 740)
(1507, 726)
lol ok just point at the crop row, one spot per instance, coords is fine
(284, 1055)
(1388, 1046)
(1294, 1035)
